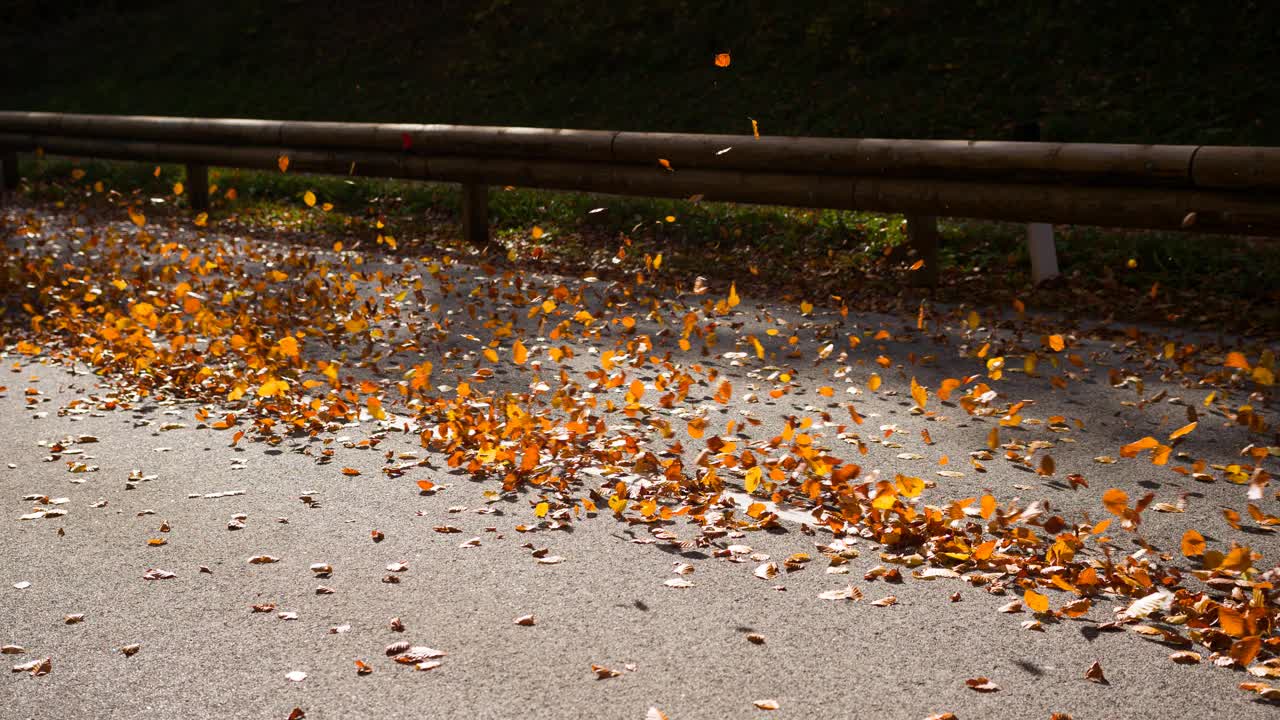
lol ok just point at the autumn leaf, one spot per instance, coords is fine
(919, 394)
(309, 198)
(1192, 544)
(1034, 600)
(1094, 673)
(982, 685)
(1116, 501)
(766, 704)
(283, 163)
(722, 60)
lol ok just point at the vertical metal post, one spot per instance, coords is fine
(8, 172)
(198, 187)
(475, 213)
(922, 232)
(1044, 255)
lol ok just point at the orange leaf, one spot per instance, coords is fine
(1056, 343)
(283, 162)
(919, 394)
(1183, 430)
(1116, 500)
(350, 471)
(519, 353)
(1236, 360)
(1034, 600)
(1133, 448)
(722, 60)
(1192, 544)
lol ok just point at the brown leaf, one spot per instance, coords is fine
(603, 673)
(766, 704)
(1094, 673)
(982, 685)
(526, 620)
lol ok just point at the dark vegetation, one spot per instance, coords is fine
(1185, 72)
(1191, 72)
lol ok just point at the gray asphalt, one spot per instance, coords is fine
(204, 653)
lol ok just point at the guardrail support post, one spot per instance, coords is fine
(8, 171)
(922, 232)
(1044, 256)
(198, 187)
(475, 213)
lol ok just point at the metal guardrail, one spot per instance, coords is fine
(1169, 187)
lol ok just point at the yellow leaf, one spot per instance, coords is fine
(491, 355)
(752, 480)
(733, 295)
(536, 233)
(755, 127)
(873, 382)
(202, 219)
(722, 60)
(329, 206)
(909, 486)
(519, 353)
(289, 347)
(1034, 600)
(617, 504)
(272, 387)
(137, 217)
(283, 162)
(541, 509)
(670, 218)
(1183, 430)
(805, 307)
(919, 394)
(309, 198)
(177, 188)
(1056, 343)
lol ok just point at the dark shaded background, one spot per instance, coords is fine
(1189, 72)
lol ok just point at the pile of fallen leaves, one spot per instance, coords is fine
(584, 394)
